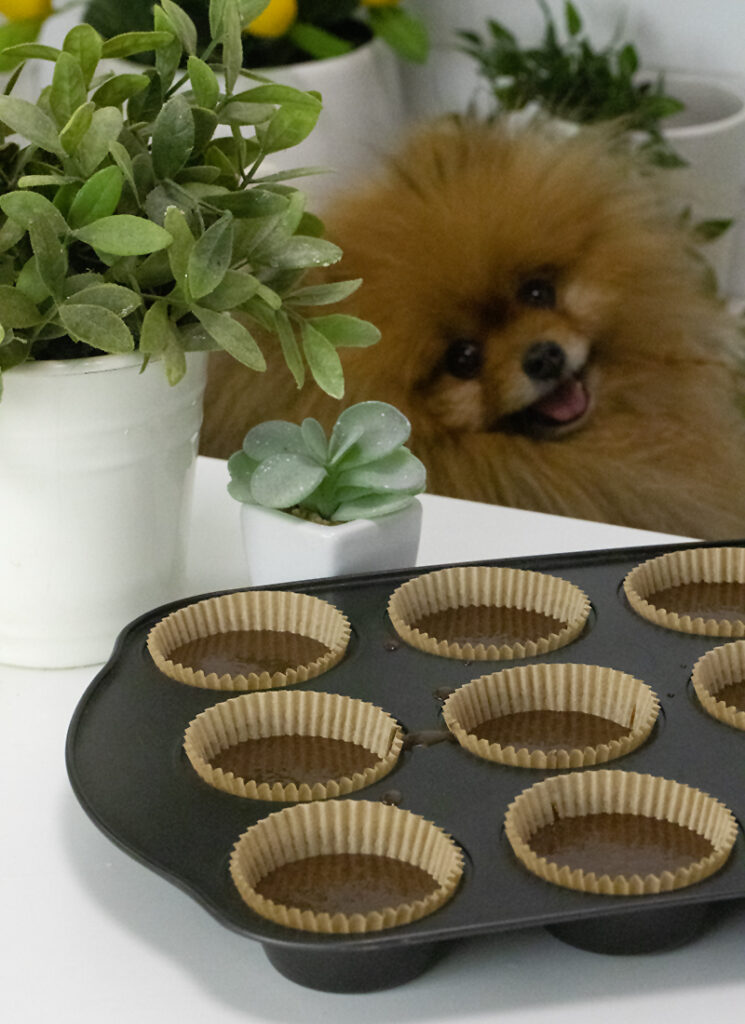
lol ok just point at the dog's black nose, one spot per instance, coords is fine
(544, 360)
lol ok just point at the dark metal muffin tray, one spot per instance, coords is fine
(129, 772)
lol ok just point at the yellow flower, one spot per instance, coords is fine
(273, 21)
(23, 10)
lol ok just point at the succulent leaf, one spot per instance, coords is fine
(285, 479)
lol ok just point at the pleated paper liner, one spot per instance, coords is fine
(619, 833)
(488, 612)
(552, 715)
(699, 591)
(345, 866)
(719, 681)
(292, 745)
(252, 640)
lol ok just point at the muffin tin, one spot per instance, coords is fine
(128, 768)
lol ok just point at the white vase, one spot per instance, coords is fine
(710, 135)
(362, 118)
(280, 547)
(96, 468)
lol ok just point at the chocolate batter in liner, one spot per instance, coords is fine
(292, 745)
(488, 612)
(251, 640)
(719, 681)
(619, 833)
(699, 591)
(351, 865)
(552, 715)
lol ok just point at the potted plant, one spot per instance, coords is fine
(133, 238)
(347, 50)
(690, 124)
(314, 506)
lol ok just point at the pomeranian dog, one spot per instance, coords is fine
(545, 327)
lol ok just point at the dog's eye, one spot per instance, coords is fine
(538, 292)
(464, 358)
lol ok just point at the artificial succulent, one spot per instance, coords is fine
(361, 471)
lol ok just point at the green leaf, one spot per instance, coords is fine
(239, 113)
(234, 290)
(123, 161)
(85, 44)
(315, 439)
(349, 331)
(366, 432)
(117, 90)
(231, 336)
(50, 254)
(156, 327)
(211, 257)
(118, 299)
(232, 46)
(76, 128)
(294, 120)
(31, 122)
(30, 282)
(98, 198)
(17, 309)
(124, 235)
(167, 57)
(323, 294)
(68, 91)
(182, 23)
(13, 55)
(203, 82)
(240, 468)
(400, 470)
(179, 251)
(290, 348)
(96, 326)
(710, 230)
(302, 251)
(572, 18)
(10, 234)
(127, 43)
(27, 207)
(323, 361)
(317, 42)
(371, 506)
(273, 437)
(15, 33)
(173, 137)
(404, 33)
(106, 126)
(282, 481)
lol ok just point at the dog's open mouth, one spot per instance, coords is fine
(564, 409)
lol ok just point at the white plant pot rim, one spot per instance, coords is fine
(337, 61)
(728, 89)
(70, 367)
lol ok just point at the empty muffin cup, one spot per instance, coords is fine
(698, 590)
(292, 745)
(719, 681)
(552, 715)
(345, 866)
(251, 640)
(488, 612)
(619, 833)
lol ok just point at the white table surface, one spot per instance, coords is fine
(90, 935)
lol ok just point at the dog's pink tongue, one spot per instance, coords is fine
(566, 403)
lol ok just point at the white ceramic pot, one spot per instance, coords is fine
(361, 120)
(710, 135)
(96, 468)
(280, 547)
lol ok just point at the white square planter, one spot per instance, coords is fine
(280, 547)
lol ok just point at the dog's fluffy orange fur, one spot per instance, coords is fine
(544, 327)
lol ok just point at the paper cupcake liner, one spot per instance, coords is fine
(715, 670)
(271, 610)
(591, 689)
(677, 568)
(345, 827)
(293, 713)
(488, 586)
(618, 792)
